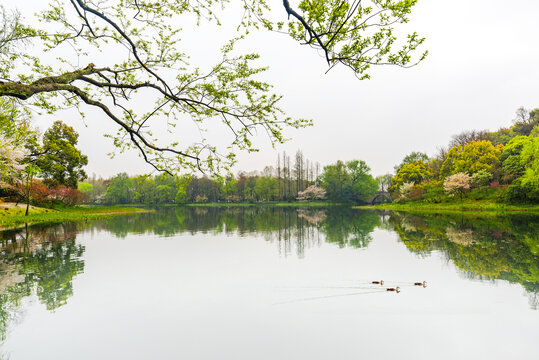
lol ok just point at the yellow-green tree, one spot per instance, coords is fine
(414, 172)
(471, 158)
(181, 189)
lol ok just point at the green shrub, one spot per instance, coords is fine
(433, 192)
(481, 178)
(516, 192)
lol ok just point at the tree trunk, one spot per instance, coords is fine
(27, 196)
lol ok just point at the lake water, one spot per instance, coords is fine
(272, 283)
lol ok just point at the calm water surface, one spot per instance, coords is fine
(263, 283)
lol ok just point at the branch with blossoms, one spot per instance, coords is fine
(12, 158)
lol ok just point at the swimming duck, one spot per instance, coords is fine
(381, 282)
(424, 284)
(396, 289)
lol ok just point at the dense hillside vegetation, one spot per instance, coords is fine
(501, 166)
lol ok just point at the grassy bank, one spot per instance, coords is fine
(274, 204)
(466, 205)
(11, 215)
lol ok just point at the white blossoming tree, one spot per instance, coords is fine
(406, 189)
(457, 184)
(313, 192)
(11, 158)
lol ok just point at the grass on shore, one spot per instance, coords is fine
(466, 205)
(269, 204)
(11, 216)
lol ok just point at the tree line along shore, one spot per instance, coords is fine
(478, 170)
(483, 170)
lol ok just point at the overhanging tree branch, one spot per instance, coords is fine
(154, 74)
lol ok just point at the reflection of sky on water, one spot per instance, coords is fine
(225, 292)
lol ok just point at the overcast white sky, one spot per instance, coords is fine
(482, 66)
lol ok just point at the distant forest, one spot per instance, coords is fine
(501, 166)
(289, 180)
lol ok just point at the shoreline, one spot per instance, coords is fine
(12, 216)
(464, 207)
(268, 204)
(477, 206)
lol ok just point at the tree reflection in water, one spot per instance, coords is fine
(483, 247)
(42, 260)
(292, 228)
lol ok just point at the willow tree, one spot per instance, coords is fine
(132, 57)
